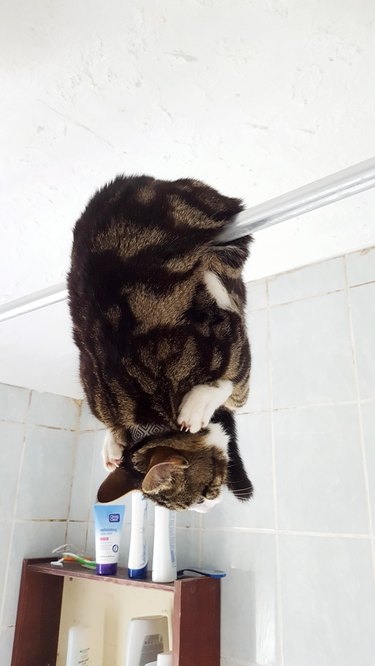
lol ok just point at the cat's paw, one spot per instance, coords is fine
(199, 405)
(111, 452)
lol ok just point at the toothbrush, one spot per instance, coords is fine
(72, 557)
(211, 574)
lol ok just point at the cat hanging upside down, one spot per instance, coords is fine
(157, 305)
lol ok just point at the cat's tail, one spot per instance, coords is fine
(194, 215)
(162, 219)
(199, 213)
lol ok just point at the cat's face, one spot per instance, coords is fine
(185, 471)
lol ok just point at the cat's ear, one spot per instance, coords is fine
(160, 475)
(118, 483)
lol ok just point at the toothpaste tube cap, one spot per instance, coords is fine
(138, 573)
(106, 569)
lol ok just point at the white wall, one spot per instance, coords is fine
(37, 451)
(299, 556)
(255, 97)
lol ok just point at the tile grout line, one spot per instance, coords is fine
(313, 405)
(14, 516)
(240, 412)
(317, 262)
(296, 533)
(91, 487)
(360, 420)
(279, 645)
(73, 465)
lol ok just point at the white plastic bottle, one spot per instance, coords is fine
(164, 567)
(164, 659)
(78, 646)
(138, 556)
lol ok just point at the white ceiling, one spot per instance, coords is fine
(37, 351)
(255, 98)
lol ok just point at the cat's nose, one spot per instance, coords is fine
(205, 505)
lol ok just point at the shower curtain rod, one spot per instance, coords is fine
(322, 192)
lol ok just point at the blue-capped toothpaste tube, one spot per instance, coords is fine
(138, 555)
(108, 524)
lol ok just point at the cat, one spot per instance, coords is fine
(158, 311)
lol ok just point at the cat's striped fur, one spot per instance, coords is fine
(158, 309)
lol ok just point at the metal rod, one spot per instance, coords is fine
(35, 301)
(335, 187)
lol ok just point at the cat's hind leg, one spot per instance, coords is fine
(111, 452)
(199, 405)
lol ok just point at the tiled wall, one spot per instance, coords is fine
(300, 588)
(37, 448)
(300, 557)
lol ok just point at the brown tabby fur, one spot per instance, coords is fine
(148, 330)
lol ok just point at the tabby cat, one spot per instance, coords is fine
(157, 305)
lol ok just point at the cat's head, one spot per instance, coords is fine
(178, 471)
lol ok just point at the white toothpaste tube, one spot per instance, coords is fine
(138, 555)
(164, 567)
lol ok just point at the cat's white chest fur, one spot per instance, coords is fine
(217, 290)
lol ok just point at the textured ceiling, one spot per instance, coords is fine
(256, 98)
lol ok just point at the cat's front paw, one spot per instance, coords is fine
(199, 405)
(111, 452)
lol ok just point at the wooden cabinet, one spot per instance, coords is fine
(194, 604)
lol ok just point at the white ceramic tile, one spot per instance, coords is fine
(76, 535)
(90, 540)
(311, 352)
(81, 497)
(46, 474)
(361, 266)
(248, 604)
(187, 547)
(368, 416)
(319, 469)
(53, 410)
(254, 438)
(363, 314)
(188, 519)
(6, 645)
(5, 532)
(256, 295)
(308, 281)
(87, 419)
(328, 601)
(30, 539)
(99, 472)
(11, 444)
(259, 396)
(14, 403)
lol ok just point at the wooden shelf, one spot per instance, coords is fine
(195, 617)
(74, 570)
